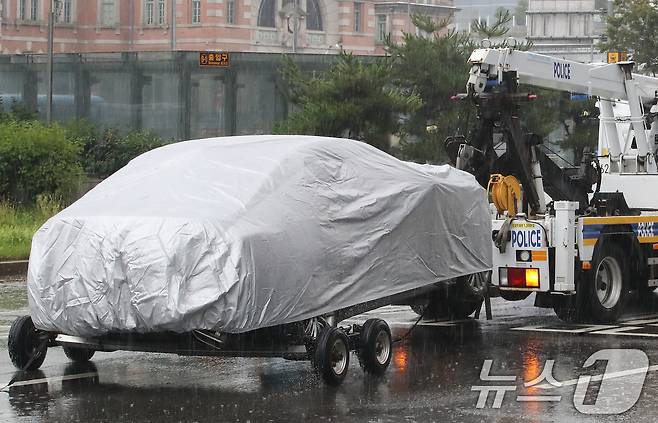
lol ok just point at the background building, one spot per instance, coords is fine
(567, 28)
(303, 26)
(484, 10)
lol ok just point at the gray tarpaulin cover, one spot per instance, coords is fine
(240, 233)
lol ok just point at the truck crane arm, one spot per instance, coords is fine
(609, 82)
(493, 85)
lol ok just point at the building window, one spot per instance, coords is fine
(230, 12)
(162, 12)
(153, 15)
(196, 11)
(381, 28)
(64, 12)
(148, 12)
(266, 13)
(358, 11)
(313, 15)
(67, 11)
(21, 9)
(34, 10)
(108, 13)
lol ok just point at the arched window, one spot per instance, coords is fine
(313, 15)
(266, 13)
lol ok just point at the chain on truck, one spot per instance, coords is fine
(585, 237)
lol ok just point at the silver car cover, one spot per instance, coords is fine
(239, 233)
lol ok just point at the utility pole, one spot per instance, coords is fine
(173, 25)
(54, 9)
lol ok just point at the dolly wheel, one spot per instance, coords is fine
(375, 346)
(25, 345)
(332, 355)
(78, 355)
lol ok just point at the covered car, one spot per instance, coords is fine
(239, 233)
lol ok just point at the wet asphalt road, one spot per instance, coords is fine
(431, 377)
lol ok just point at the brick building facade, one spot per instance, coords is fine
(305, 26)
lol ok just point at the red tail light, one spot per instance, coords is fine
(519, 277)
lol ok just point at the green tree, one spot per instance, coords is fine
(499, 28)
(434, 65)
(353, 99)
(632, 28)
(581, 122)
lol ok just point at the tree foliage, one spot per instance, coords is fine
(581, 125)
(432, 64)
(499, 28)
(632, 28)
(353, 99)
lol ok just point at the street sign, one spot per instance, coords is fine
(214, 59)
(617, 56)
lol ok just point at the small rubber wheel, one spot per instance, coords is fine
(23, 345)
(332, 355)
(608, 288)
(375, 346)
(79, 355)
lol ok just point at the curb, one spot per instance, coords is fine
(13, 268)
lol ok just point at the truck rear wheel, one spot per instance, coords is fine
(609, 287)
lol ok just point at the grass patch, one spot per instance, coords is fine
(18, 224)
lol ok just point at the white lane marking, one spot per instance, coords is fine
(639, 322)
(630, 319)
(606, 376)
(585, 329)
(624, 331)
(53, 379)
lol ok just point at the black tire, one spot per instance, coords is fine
(608, 285)
(474, 286)
(79, 355)
(375, 346)
(463, 308)
(453, 302)
(466, 297)
(332, 355)
(436, 308)
(23, 345)
(570, 309)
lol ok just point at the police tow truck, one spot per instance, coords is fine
(584, 237)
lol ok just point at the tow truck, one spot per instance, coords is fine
(584, 238)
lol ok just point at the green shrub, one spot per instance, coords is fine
(103, 152)
(36, 160)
